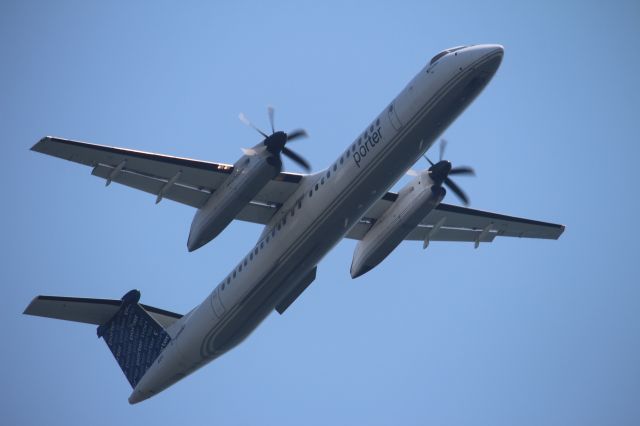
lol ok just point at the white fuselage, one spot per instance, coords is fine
(321, 212)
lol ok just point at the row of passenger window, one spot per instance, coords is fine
(292, 211)
(261, 245)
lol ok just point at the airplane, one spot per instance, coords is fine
(304, 217)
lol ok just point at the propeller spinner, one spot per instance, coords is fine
(276, 141)
(440, 172)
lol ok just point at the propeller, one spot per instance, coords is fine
(440, 172)
(276, 141)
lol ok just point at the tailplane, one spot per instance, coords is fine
(135, 333)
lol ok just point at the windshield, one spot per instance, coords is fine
(444, 52)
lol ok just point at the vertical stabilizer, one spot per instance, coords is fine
(134, 338)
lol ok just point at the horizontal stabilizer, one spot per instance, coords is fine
(90, 311)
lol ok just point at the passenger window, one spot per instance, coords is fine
(228, 279)
(371, 129)
(341, 160)
(328, 174)
(251, 256)
(378, 122)
(256, 251)
(234, 274)
(293, 212)
(222, 286)
(360, 140)
(353, 148)
(279, 226)
(245, 261)
(322, 181)
(310, 193)
(335, 167)
(316, 186)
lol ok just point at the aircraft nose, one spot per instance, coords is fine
(498, 49)
(479, 50)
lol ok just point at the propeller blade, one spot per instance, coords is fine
(298, 133)
(456, 189)
(296, 158)
(246, 121)
(427, 158)
(462, 170)
(443, 147)
(271, 113)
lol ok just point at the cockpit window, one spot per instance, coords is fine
(453, 49)
(444, 52)
(438, 56)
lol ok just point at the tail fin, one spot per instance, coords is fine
(133, 332)
(134, 338)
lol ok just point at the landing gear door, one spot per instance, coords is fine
(393, 117)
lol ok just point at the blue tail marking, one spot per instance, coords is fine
(134, 338)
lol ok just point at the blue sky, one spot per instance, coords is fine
(517, 332)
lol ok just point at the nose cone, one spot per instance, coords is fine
(480, 50)
(475, 52)
(497, 49)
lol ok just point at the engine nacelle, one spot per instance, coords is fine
(414, 203)
(250, 174)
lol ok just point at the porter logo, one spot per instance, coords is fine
(369, 143)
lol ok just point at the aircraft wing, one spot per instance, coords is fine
(453, 223)
(183, 180)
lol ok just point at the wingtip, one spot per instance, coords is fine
(38, 145)
(562, 228)
(27, 310)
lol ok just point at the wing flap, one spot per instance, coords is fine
(253, 212)
(450, 234)
(177, 192)
(420, 233)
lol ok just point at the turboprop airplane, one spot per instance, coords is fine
(305, 216)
